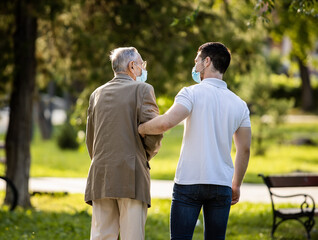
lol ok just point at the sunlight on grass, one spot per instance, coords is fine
(49, 160)
(282, 157)
(68, 217)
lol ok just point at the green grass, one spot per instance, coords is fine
(281, 157)
(49, 160)
(68, 217)
(164, 164)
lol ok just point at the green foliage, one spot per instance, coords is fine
(267, 112)
(296, 20)
(79, 115)
(283, 81)
(164, 103)
(274, 62)
(44, 11)
(67, 137)
(307, 8)
(169, 43)
(262, 9)
(290, 88)
(68, 217)
(6, 49)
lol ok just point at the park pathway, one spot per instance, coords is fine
(161, 188)
(256, 193)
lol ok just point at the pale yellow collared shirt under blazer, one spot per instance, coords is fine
(120, 167)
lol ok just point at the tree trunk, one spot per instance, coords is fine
(307, 98)
(18, 137)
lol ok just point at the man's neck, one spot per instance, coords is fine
(128, 74)
(213, 75)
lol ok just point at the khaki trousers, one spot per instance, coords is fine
(113, 215)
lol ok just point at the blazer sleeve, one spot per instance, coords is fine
(148, 111)
(90, 127)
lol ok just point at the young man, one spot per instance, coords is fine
(205, 176)
(118, 183)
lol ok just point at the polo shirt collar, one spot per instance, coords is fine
(215, 82)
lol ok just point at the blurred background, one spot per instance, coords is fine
(54, 53)
(274, 52)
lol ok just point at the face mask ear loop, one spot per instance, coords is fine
(134, 70)
(203, 65)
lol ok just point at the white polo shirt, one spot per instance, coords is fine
(215, 115)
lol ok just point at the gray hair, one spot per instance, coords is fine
(120, 57)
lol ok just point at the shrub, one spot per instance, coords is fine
(267, 112)
(67, 137)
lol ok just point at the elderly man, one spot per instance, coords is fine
(118, 183)
(204, 174)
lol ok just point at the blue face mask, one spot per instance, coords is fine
(196, 75)
(143, 76)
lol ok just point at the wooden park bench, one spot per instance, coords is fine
(305, 213)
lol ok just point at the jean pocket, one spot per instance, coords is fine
(224, 196)
(185, 192)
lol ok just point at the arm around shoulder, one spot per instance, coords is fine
(162, 123)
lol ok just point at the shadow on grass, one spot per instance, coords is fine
(247, 222)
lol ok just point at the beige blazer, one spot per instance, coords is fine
(120, 167)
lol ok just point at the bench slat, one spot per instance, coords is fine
(293, 181)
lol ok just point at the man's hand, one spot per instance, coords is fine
(140, 130)
(236, 192)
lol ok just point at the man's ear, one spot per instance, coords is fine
(130, 66)
(208, 61)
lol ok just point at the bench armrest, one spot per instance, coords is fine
(306, 204)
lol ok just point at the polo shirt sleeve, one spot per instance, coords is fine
(184, 97)
(246, 122)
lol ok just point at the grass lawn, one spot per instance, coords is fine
(68, 218)
(49, 160)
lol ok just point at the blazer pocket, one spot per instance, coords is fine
(121, 177)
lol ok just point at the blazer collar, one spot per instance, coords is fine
(122, 76)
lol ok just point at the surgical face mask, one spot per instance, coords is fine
(143, 76)
(196, 75)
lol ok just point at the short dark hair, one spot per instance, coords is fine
(218, 53)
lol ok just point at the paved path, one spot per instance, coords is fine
(161, 188)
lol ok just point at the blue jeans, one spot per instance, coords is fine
(187, 201)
